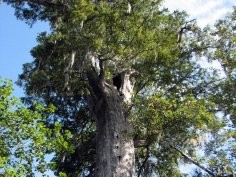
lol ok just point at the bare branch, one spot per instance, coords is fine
(129, 8)
(68, 68)
(182, 29)
(193, 161)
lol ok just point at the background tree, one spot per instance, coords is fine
(24, 138)
(162, 104)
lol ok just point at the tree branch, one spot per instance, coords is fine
(193, 161)
(45, 3)
(140, 143)
(182, 29)
(144, 162)
(102, 73)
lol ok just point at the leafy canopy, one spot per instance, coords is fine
(24, 137)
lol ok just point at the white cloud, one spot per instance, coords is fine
(205, 11)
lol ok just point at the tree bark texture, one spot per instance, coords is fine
(114, 142)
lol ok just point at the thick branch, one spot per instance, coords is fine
(68, 69)
(102, 73)
(142, 143)
(94, 82)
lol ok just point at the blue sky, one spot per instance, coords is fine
(16, 40)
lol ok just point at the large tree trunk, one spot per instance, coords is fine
(114, 142)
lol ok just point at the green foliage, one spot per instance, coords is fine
(61, 174)
(25, 139)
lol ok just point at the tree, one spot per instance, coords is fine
(22, 135)
(125, 79)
